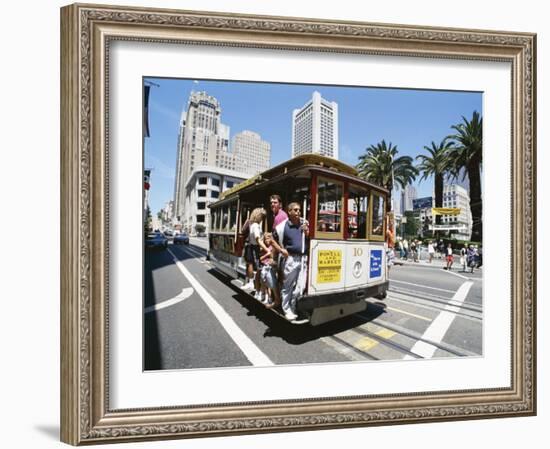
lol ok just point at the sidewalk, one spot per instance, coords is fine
(436, 263)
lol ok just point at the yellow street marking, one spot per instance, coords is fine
(385, 333)
(366, 344)
(410, 314)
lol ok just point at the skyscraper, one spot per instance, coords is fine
(315, 128)
(202, 140)
(409, 194)
(203, 145)
(251, 154)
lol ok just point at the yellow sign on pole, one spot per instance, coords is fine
(329, 266)
(445, 210)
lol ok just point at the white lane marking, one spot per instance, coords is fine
(250, 350)
(456, 274)
(185, 293)
(423, 286)
(439, 327)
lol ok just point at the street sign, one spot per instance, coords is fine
(448, 227)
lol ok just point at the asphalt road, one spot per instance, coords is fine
(195, 318)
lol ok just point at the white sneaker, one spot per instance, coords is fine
(248, 286)
(290, 316)
(258, 296)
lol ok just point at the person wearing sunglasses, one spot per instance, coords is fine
(293, 236)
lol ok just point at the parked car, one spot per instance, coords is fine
(156, 241)
(181, 238)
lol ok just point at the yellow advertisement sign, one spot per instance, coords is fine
(329, 266)
(446, 211)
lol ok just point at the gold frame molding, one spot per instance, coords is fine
(86, 31)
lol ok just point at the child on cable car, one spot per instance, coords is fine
(268, 273)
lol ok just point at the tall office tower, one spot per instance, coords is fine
(315, 128)
(203, 140)
(252, 155)
(409, 194)
(397, 203)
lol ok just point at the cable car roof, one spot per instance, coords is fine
(324, 163)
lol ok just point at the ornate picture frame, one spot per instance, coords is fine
(87, 33)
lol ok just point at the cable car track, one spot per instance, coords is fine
(437, 299)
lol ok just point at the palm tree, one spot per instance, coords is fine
(467, 159)
(380, 165)
(437, 164)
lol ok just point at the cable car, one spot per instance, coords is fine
(346, 259)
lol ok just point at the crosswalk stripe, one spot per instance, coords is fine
(439, 327)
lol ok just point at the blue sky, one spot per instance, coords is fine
(410, 119)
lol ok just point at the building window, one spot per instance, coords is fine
(214, 194)
(200, 219)
(202, 193)
(202, 180)
(215, 182)
(201, 206)
(229, 184)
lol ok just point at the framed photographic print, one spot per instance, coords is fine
(282, 224)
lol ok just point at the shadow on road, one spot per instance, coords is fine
(154, 259)
(294, 334)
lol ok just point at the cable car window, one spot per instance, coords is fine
(378, 207)
(212, 220)
(329, 206)
(358, 207)
(233, 216)
(225, 218)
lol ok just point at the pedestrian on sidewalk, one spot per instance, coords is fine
(406, 249)
(441, 249)
(431, 251)
(400, 247)
(390, 242)
(463, 255)
(471, 258)
(449, 258)
(414, 250)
